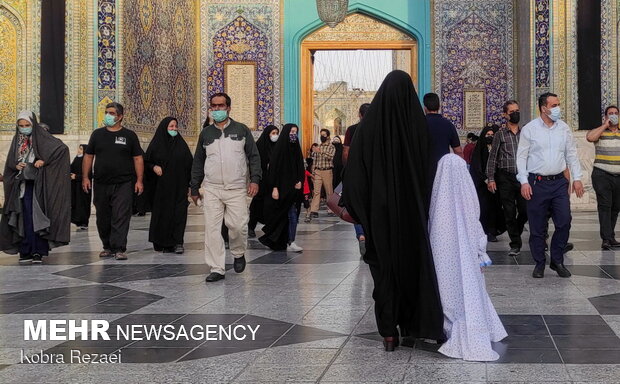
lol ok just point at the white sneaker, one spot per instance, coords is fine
(292, 247)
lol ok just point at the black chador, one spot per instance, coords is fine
(385, 191)
(265, 147)
(168, 192)
(80, 200)
(286, 169)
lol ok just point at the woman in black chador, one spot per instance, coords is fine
(265, 144)
(385, 190)
(168, 162)
(37, 187)
(491, 214)
(80, 200)
(284, 192)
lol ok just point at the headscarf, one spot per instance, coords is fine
(24, 141)
(480, 155)
(162, 144)
(265, 147)
(385, 190)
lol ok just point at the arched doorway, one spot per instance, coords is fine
(358, 32)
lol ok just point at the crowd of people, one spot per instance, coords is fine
(424, 207)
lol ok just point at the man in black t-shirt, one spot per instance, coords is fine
(118, 172)
(442, 134)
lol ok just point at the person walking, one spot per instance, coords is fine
(501, 173)
(169, 163)
(459, 251)
(606, 175)
(491, 215)
(285, 181)
(80, 200)
(265, 144)
(385, 189)
(224, 152)
(37, 207)
(322, 171)
(118, 174)
(546, 148)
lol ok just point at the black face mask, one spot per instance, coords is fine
(489, 140)
(515, 117)
(323, 139)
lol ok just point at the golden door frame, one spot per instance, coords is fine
(307, 73)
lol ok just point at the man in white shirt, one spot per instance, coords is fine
(546, 149)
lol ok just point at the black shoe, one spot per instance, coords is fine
(491, 238)
(169, 250)
(157, 248)
(314, 215)
(606, 245)
(569, 247)
(239, 264)
(560, 269)
(214, 276)
(37, 259)
(141, 214)
(614, 243)
(251, 233)
(539, 272)
(178, 249)
(514, 252)
(25, 259)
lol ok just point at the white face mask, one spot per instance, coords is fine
(274, 138)
(555, 114)
(613, 119)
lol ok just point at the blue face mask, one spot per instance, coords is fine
(108, 120)
(173, 133)
(219, 116)
(25, 130)
(556, 113)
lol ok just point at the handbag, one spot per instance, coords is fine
(333, 203)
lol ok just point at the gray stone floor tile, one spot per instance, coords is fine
(280, 374)
(527, 372)
(359, 372)
(441, 373)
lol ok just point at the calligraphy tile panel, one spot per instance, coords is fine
(243, 31)
(473, 50)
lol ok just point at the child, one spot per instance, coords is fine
(459, 251)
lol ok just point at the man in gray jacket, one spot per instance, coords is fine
(225, 154)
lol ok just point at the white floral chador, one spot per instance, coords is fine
(459, 250)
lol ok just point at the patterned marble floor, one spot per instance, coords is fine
(315, 312)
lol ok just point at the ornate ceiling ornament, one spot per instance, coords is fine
(332, 12)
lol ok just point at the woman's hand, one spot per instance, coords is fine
(20, 166)
(73, 176)
(39, 163)
(158, 171)
(275, 194)
(298, 185)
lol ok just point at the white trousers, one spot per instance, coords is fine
(232, 207)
